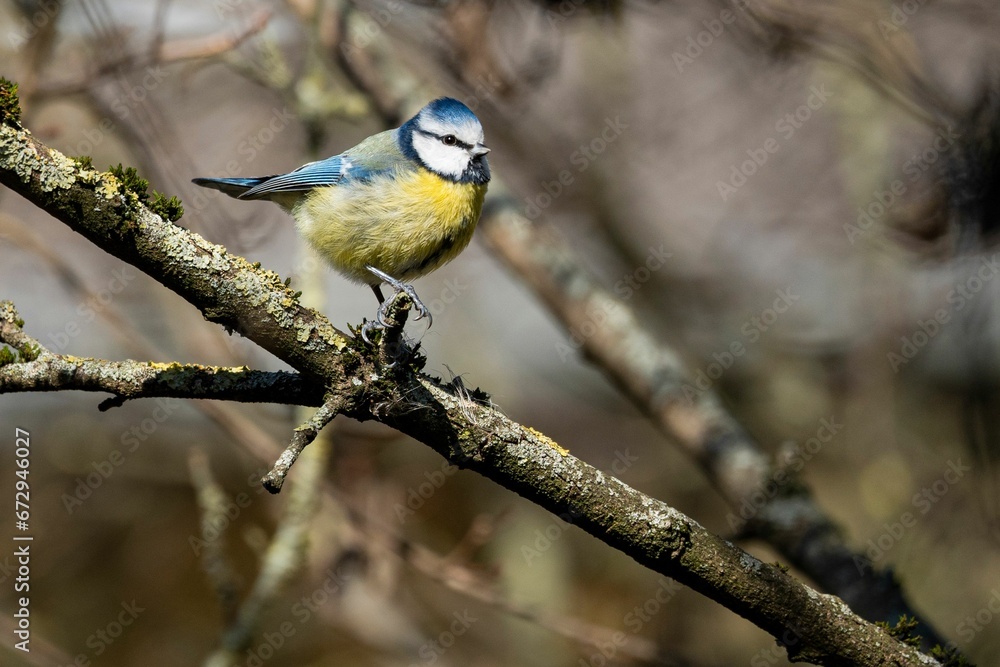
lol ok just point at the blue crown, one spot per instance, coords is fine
(450, 110)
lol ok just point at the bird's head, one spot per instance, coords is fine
(447, 138)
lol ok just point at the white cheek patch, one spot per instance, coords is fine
(445, 160)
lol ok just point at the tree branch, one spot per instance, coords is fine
(231, 292)
(303, 436)
(147, 379)
(654, 378)
(142, 379)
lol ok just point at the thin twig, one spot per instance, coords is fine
(301, 438)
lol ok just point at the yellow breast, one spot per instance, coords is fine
(406, 225)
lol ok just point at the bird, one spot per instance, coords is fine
(397, 206)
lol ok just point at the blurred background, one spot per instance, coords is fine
(810, 183)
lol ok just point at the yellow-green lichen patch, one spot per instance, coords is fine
(324, 335)
(161, 366)
(547, 440)
(248, 286)
(281, 316)
(330, 335)
(19, 156)
(88, 177)
(107, 187)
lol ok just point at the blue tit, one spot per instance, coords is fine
(393, 208)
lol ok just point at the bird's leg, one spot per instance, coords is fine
(399, 286)
(378, 323)
(389, 319)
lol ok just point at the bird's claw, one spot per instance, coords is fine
(418, 305)
(368, 327)
(399, 286)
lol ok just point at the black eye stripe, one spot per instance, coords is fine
(440, 137)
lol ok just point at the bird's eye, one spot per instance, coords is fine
(449, 140)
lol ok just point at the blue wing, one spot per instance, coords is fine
(377, 154)
(313, 175)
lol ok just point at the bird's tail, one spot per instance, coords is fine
(233, 187)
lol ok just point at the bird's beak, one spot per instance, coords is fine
(479, 150)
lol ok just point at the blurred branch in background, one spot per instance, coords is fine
(283, 559)
(857, 35)
(654, 378)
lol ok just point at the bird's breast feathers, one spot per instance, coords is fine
(406, 223)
